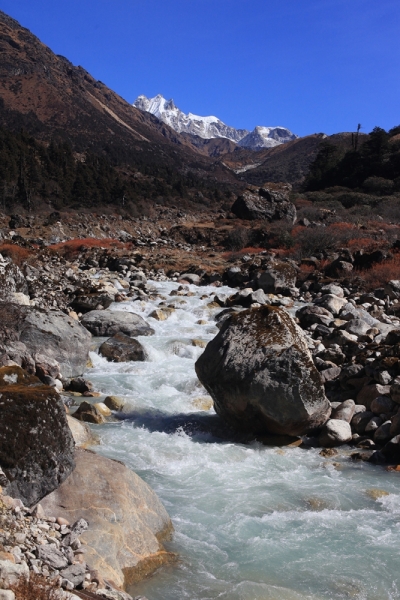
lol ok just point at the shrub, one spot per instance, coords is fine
(71, 248)
(18, 254)
(237, 239)
(37, 588)
(380, 273)
(363, 243)
(233, 256)
(349, 199)
(378, 186)
(310, 241)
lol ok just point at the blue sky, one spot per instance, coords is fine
(309, 65)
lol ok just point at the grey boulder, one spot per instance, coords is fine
(332, 303)
(277, 277)
(58, 337)
(74, 573)
(261, 376)
(345, 411)
(36, 444)
(53, 557)
(11, 574)
(310, 314)
(122, 348)
(109, 322)
(271, 203)
(334, 433)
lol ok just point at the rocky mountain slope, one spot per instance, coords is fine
(52, 99)
(211, 127)
(104, 151)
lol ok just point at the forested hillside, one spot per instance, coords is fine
(33, 174)
(373, 167)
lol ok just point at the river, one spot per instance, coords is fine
(251, 522)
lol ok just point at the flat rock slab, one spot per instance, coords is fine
(126, 519)
(110, 322)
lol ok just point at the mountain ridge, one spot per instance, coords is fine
(211, 127)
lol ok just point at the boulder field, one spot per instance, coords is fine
(261, 376)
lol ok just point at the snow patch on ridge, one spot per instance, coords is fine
(210, 126)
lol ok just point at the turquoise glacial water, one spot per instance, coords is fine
(251, 522)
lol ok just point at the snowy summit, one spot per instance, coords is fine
(212, 127)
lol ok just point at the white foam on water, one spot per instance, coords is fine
(251, 522)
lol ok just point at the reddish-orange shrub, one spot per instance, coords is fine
(285, 252)
(380, 273)
(341, 226)
(364, 243)
(37, 588)
(72, 248)
(306, 269)
(302, 203)
(296, 230)
(18, 254)
(233, 254)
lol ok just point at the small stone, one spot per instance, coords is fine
(52, 556)
(345, 411)
(366, 444)
(382, 404)
(334, 433)
(369, 392)
(11, 573)
(328, 452)
(199, 343)
(74, 573)
(88, 412)
(67, 585)
(114, 403)
(373, 424)
(384, 377)
(103, 409)
(330, 374)
(382, 434)
(376, 493)
(162, 314)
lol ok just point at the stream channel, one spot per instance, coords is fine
(251, 522)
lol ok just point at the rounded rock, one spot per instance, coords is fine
(335, 433)
(260, 374)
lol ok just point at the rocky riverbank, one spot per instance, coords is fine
(53, 308)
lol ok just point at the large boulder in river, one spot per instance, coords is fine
(261, 376)
(122, 348)
(59, 337)
(36, 444)
(109, 322)
(270, 203)
(127, 520)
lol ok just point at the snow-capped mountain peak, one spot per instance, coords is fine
(211, 127)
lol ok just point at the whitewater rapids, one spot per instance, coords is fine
(251, 522)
